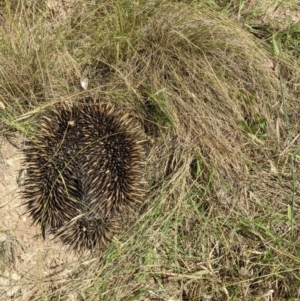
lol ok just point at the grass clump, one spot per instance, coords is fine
(220, 219)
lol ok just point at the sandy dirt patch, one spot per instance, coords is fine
(29, 266)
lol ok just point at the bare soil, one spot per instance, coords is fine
(27, 263)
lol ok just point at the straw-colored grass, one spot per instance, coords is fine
(219, 109)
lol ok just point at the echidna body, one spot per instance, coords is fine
(84, 173)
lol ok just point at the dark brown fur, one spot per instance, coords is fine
(84, 169)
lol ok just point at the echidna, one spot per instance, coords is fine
(84, 173)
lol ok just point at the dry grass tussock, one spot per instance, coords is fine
(220, 114)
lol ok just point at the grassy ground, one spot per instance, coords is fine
(215, 87)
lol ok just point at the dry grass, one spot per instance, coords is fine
(220, 112)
